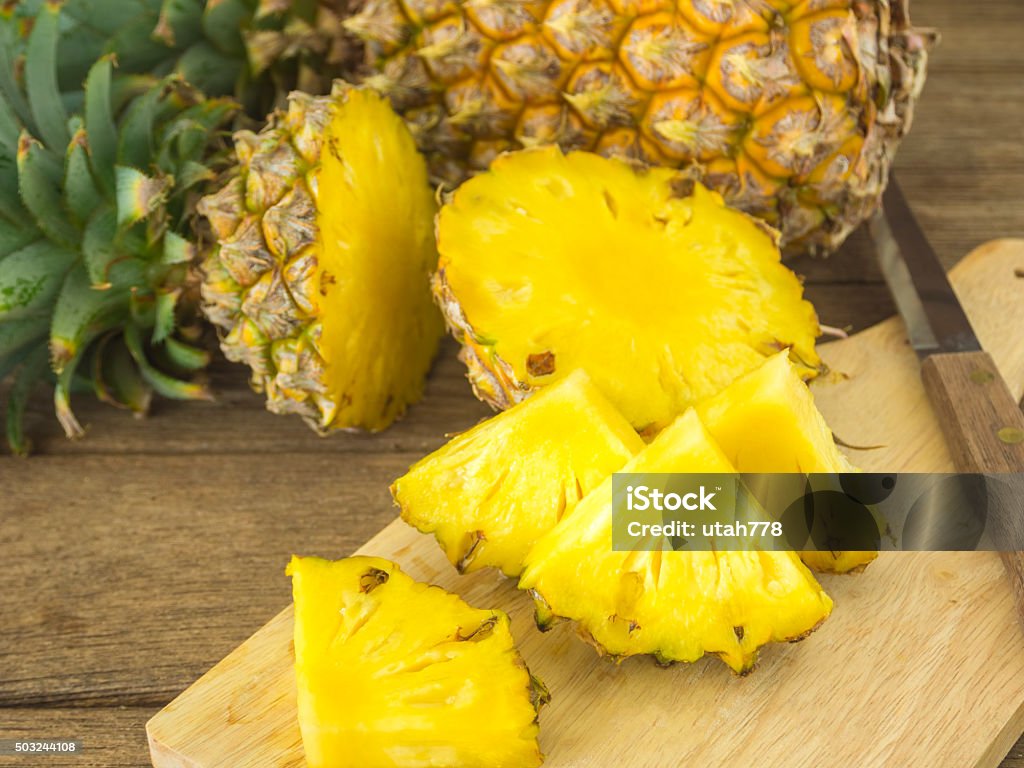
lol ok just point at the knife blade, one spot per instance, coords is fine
(980, 420)
(923, 294)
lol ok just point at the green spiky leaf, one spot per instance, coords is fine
(44, 95)
(98, 246)
(99, 122)
(177, 250)
(163, 324)
(31, 278)
(116, 379)
(80, 191)
(39, 182)
(32, 370)
(162, 383)
(138, 195)
(185, 356)
(80, 314)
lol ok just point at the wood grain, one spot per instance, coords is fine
(119, 606)
(915, 628)
(984, 428)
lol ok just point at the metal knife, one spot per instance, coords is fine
(980, 419)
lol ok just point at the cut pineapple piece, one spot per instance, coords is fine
(767, 421)
(491, 492)
(664, 295)
(674, 605)
(394, 673)
(320, 277)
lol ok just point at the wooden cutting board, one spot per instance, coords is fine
(920, 664)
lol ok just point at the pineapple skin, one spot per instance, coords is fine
(332, 314)
(792, 110)
(491, 492)
(641, 277)
(394, 673)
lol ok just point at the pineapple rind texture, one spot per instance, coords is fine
(646, 280)
(766, 421)
(311, 283)
(491, 492)
(792, 110)
(394, 673)
(676, 606)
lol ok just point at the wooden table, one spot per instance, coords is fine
(136, 558)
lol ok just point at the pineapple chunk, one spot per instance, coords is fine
(491, 492)
(674, 605)
(767, 421)
(650, 283)
(394, 673)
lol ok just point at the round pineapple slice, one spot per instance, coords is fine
(320, 277)
(676, 606)
(393, 673)
(491, 492)
(647, 281)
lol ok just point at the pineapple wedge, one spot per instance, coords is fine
(394, 673)
(491, 492)
(767, 421)
(677, 606)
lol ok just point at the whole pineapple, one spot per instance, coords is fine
(791, 109)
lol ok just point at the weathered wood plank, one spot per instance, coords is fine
(112, 737)
(977, 37)
(127, 577)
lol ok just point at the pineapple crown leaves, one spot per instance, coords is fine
(256, 51)
(96, 221)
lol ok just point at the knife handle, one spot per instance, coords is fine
(984, 428)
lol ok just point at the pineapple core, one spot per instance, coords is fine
(664, 295)
(491, 492)
(674, 605)
(375, 221)
(394, 673)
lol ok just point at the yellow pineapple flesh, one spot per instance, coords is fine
(491, 492)
(393, 673)
(675, 605)
(552, 262)
(319, 278)
(766, 422)
(793, 109)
